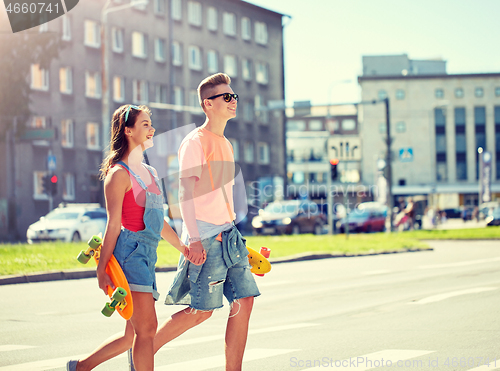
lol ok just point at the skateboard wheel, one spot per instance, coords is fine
(119, 294)
(95, 242)
(107, 310)
(82, 258)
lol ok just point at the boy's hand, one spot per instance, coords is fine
(196, 254)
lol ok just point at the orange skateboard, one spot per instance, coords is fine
(260, 264)
(121, 298)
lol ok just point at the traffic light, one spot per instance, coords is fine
(46, 184)
(333, 171)
(53, 185)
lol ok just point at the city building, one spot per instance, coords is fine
(158, 54)
(438, 122)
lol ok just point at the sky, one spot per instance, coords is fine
(326, 39)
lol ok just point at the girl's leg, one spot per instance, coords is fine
(112, 347)
(145, 323)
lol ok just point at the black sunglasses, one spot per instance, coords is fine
(227, 97)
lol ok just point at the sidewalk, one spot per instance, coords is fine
(454, 224)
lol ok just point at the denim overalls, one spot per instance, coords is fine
(136, 251)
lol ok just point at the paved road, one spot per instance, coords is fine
(417, 311)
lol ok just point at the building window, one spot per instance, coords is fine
(236, 148)
(176, 9)
(248, 111)
(479, 92)
(38, 193)
(118, 89)
(194, 13)
(39, 78)
(92, 34)
(68, 191)
(117, 39)
(212, 61)
(497, 137)
(480, 131)
(92, 135)
(295, 125)
(39, 122)
(65, 80)
(161, 93)
(159, 6)
(261, 73)
(261, 109)
(176, 53)
(140, 91)
(441, 172)
(246, 71)
(400, 94)
(460, 144)
(230, 67)
(177, 97)
(440, 129)
(497, 91)
(315, 125)
(139, 45)
(401, 127)
(439, 93)
(248, 152)
(194, 58)
(246, 29)
(382, 94)
(212, 18)
(348, 124)
(459, 93)
(160, 54)
(261, 33)
(229, 24)
(66, 27)
(263, 153)
(92, 84)
(67, 133)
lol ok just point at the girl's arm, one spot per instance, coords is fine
(171, 237)
(117, 182)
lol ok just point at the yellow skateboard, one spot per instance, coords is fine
(260, 264)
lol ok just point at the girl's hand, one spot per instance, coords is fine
(104, 280)
(196, 254)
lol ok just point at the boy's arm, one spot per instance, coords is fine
(196, 253)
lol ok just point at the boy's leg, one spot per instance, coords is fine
(237, 332)
(145, 324)
(179, 323)
(112, 347)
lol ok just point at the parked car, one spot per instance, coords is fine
(366, 220)
(493, 217)
(69, 223)
(453, 213)
(290, 217)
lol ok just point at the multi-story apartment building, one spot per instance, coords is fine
(158, 53)
(438, 122)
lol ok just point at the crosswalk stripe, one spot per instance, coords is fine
(46, 364)
(10, 347)
(440, 297)
(219, 361)
(373, 360)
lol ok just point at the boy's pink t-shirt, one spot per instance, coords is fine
(210, 158)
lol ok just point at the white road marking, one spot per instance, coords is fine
(440, 297)
(459, 264)
(219, 361)
(384, 358)
(8, 348)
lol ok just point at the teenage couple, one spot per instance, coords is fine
(213, 258)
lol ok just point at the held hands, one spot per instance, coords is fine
(195, 253)
(104, 280)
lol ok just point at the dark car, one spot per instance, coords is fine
(290, 217)
(245, 224)
(493, 217)
(367, 220)
(452, 213)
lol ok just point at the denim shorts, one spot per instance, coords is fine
(213, 279)
(137, 256)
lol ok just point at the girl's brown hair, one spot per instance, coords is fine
(118, 144)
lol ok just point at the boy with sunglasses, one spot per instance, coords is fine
(218, 263)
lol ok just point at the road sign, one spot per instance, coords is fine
(344, 148)
(51, 162)
(406, 154)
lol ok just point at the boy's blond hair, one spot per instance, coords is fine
(208, 85)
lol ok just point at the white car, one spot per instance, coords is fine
(69, 222)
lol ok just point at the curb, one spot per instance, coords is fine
(90, 273)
